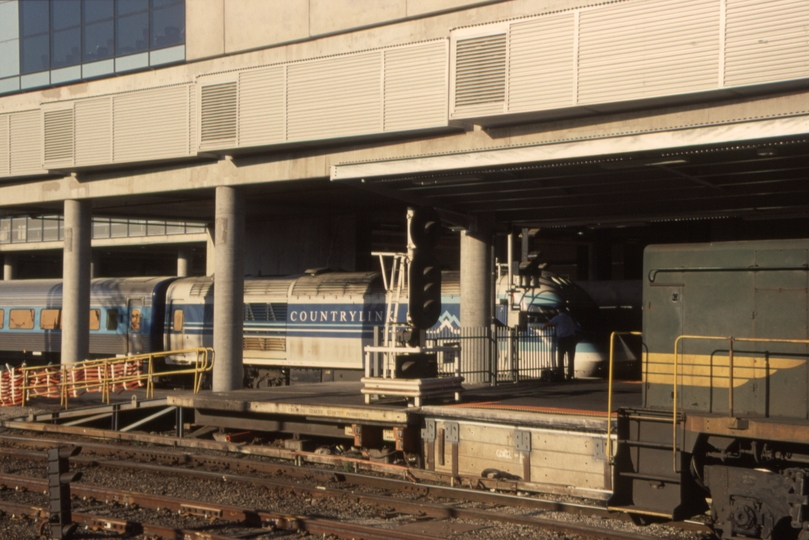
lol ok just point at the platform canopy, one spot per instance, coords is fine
(753, 169)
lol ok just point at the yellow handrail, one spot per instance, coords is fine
(609, 387)
(730, 339)
(108, 375)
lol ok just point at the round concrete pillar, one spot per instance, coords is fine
(183, 262)
(228, 312)
(76, 282)
(9, 267)
(476, 292)
(95, 266)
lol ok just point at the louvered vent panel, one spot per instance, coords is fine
(338, 285)
(58, 137)
(416, 86)
(648, 49)
(93, 131)
(218, 114)
(766, 41)
(201, 288)
(272, 289)
(150, 124)
(5, 165)
(480, 74)
(192, 119)
(274, 312)
(262, 106)
(25, 147)
(334, 97)
(541, 64)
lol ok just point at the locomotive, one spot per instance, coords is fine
(314, 325)
(723, 424)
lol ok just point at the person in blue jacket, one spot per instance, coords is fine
(566, 339)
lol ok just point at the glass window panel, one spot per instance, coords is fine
(177, 322)
(101, 228)
(99, 42)
(174, 228)
(168, 26)
(22, 319)
(156, 228)
(134, 320)
(132, 34)
(34, 230)
(34, 17)
(119, 229)
(2, 317)
(66, 14)
(9, 58)
(126, 7)
(5, 231)
(95, 319)
(12, 84)
(35, 54)
(164, 3)
(137, 227)
(50, 319)
(50, 229)
(66, 48)
(98, 10)
(19, 228)
(9, 21)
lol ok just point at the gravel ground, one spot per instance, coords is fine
(280, 501)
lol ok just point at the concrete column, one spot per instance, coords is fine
(210, 251)
(9, 267)
(76, 282)
(476, 287)
(183, 262)
(228, 312)
(95, 265)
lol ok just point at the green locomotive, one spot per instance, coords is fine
(724, 424)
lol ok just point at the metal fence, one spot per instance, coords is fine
(496, 354)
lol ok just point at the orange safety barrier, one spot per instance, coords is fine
(11, 387)
(105, 376)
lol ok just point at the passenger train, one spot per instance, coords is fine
(314, 325)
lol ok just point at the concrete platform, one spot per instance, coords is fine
(537, 433)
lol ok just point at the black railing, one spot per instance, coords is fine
(496, 354)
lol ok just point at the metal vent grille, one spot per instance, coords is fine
(93, 131)
(219, 108)
(265, 344)
(274, 312)
(766, 41)
(58, 136)
(415, 92)
(480, 70)
(5, 166)
(541, 63)
(338, 285)
(201, 288)
(25, 146)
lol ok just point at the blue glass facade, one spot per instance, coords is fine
(50, 42)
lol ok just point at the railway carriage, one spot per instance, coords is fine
(126, 317)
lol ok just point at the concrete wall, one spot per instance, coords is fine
(216, 27)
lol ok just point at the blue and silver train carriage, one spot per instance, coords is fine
(126, 317)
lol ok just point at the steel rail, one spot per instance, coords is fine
(314, 525)
(320, 475)
(410, 474)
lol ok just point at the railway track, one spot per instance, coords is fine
(396, 508)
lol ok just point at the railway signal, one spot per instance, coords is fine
(59, 479)
(424, 304)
